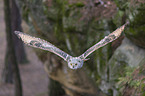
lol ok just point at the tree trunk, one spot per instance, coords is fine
(10, 51)
(7, 75)
(16, 26)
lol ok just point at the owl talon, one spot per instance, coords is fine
(86, 59)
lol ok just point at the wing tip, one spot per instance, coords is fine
(127, 23)
(17, 33)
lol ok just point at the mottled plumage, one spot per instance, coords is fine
(73, 62)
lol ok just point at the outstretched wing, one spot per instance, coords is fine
(114, 35)
(42, 44)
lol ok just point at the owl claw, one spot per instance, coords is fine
(86, 59)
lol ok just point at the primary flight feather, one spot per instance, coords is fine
(73, 62)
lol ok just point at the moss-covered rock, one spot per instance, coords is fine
(124, 61)
(136, 31)
(134, 12)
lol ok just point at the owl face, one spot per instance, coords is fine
(75, 63)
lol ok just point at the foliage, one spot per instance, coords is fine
(127, 79)
(132, 80)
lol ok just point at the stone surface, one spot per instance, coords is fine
(128, 55)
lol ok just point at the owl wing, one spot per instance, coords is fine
(42, 44)
(111, 37)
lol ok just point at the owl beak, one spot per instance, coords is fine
(86, 59)
(73, 66)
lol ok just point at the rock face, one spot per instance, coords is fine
(128, 55)
(136, 31)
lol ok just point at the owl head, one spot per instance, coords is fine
(75, 63)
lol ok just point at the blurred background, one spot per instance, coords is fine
(117, 69)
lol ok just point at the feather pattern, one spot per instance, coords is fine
(111, 37)
(42, 44)
(73, 62)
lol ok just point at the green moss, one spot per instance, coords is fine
(132, 31)
(137, 34)
(78, 4)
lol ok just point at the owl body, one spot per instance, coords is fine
(73, 62)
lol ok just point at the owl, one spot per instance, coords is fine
(73, 62)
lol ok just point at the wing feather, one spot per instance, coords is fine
(111, 37)
(42, 44)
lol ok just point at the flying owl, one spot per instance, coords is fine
(73, 62)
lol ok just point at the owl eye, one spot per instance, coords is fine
(71, 64)
(76, 64)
